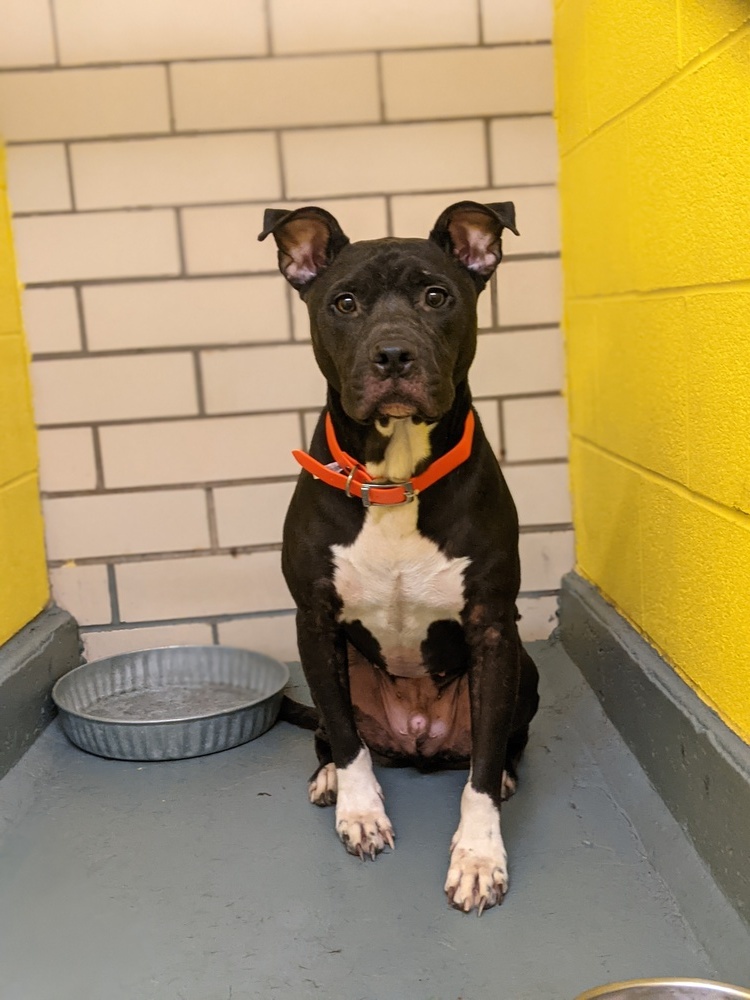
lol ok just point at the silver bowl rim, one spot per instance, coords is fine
(737, 992)
(239, 707)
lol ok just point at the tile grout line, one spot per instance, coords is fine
(71, 185)
(276, 56)
(270, 46)
(98, 460)
(187, 133)
(489, 164)
(82, 327)
(199, 387)
(213, 527)
(55, 33)
(480, 24)
(261, 202)
(380, 76)
(170, 98)
(280, 165)
(183, 273)
(113, 596)
(171, 277)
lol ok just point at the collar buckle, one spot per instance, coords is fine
(407, 487)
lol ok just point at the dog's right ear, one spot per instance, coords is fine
(308, 240)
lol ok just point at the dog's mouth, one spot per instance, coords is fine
(396, 410)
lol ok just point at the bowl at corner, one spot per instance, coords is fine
(171, 702)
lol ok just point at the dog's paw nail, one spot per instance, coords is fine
(475, 881)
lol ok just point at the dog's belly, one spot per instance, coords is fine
(409, 718)
(397, 583)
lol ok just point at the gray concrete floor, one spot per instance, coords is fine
(214, 879)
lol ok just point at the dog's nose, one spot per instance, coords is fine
(392, 361)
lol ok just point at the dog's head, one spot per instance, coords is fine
(393, 321)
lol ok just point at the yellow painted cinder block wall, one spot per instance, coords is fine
(653, 105)
(23, 575)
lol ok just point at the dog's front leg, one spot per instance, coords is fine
(361, 820)
(478, 872)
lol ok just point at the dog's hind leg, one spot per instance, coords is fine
(526, 706)
(323, 785)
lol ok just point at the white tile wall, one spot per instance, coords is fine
(251, 515)
(524, 150)
(92, 31)
(262, 93)
(176, 171)
(530, 292)
(97, 644)
(540, 493)
(489, 414)
(390, 158)
(274, 635)
(261, 378)
(51, 320)
(536, 215)
(27, 38)
(339, 25)
(535, 428)
(511, 21)
(545, 557)
(79, 390)
(67, 459)
(173, 370)
(83, 591)
(225, 239)
(125, 524)
(194, 587)
(38, 178)
(194, 451)
(66, 248)
(180, 313)
(517, 363)
(77, 103)
(538, 617)
(468, 82)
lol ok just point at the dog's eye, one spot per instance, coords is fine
(435, 297)
(345, 304)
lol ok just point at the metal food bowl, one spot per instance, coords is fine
(171, 702)
(666, 989)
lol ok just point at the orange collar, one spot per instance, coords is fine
(347, 474)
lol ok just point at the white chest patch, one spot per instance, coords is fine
(393, 579)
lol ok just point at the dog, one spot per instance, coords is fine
(401, 541)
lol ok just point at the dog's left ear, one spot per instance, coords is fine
(473, 233)
(308, 239)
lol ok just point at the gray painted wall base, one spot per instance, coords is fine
(30, 663)
(699, 767)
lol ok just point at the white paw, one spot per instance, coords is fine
(508, 787)
(478, 872)
(365, 834)
(476, 882)
(323, 786)
(361, 821)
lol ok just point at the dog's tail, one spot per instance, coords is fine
(304, 716)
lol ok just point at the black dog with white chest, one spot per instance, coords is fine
(401, 541)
